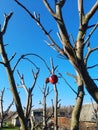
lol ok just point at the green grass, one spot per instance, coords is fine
(10, 128)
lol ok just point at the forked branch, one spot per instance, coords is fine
(7, 17)
(90, 34)
(36, 18)
(89, 53)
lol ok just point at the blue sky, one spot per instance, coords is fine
(24, 36)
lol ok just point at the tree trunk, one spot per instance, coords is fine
(13, 86)
(55, 108)
(76, 112)
(90, 84)
(77, 108)
(44, 113)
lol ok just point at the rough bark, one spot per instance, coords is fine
(76, 112)
(78, 105)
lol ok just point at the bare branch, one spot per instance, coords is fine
(12, 57)
(17, 63)
(24, 8)
(24, 56)
(28, 91)
(93, 10)
(7, 17)
(58, 17)
(2, 93)
(61, 3)
(59, 36)
(9, 107)
(89, 52)
(80, 9)
(2, 112)
(22, 82)
(72, 75)
(52, 46)
(49, 8)
(31, 62)
(35, 75)
(45, 90)
(90, 67)
(85, 21)
(90, 34)
(90, 26)
(68, 84)
(1, 106)
(95, 79)
(40, 89)
(2, 63)
(52, 66)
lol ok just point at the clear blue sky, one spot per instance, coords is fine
(24, 36)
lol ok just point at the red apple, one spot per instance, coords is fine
(53, 79)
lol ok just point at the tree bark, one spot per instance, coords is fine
(56, 108)
(12, 85)
(77, 108)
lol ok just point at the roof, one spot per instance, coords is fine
(88, 112)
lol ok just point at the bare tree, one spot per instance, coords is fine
(6, 63)
(3, 113)
(10, 72)
(75, 54)
(28, 108)
(45, 92)
(55, 99)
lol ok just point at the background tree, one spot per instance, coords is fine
(29, 104)
(56, 97)
(53, 79)
(3, 113)
(6, 62)
(45, 92)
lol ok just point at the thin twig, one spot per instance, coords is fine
(90, 34)
(90, 67)
(12, 57)
(36, 18)
(25, 57)
(7, 17)
(89, 52)
(68, 84)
